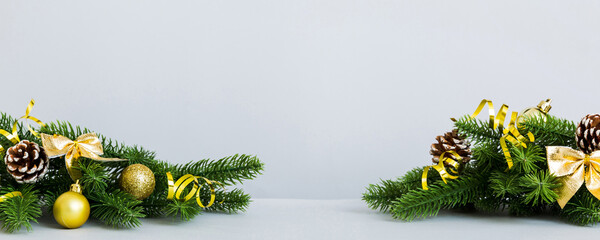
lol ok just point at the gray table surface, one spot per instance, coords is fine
(320, 219)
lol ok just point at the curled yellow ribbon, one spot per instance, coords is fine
(441, 168)
(87, 145)
(176, 188)
(10, 195)
(13, 135)
(494, 122)
(511, 133)
(574, 167)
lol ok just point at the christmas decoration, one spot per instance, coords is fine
(588, 133)
(9, 195)
(451, 141)
(71, 209)
(527, 169)
(137, 180)
(574, 167)
(87, 145)
(540, 111)
(78, 154)
(177, 188)
(26, 162)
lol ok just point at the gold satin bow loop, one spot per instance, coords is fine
(87, 145)
(441, 168)
(574, 167)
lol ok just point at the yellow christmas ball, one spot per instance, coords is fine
(540, 111)
(71, 209)
(137, 180)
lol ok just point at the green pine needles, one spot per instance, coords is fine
(99, 182)
(486, 184)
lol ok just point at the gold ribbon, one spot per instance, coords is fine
(13, 136)
(176, 188)
(441, 168)
(10, 195)
(574, 167)
(511, 133)
(87, 145)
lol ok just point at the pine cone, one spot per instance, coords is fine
(588, 133)
(26, 162)
(451, 141)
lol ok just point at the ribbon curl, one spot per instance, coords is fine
(10, 195)
(511, 133)
(13, 135)
(177, 188)
(574, 167)
(87, 145)
(441, 168)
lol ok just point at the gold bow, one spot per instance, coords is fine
(87, 145)
(574, 167)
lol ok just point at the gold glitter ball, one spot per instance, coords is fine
(137, 180)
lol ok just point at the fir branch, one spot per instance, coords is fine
(227, 171)
(93, 177)
(380, 196)
(117, 209)
(488, 203)
(478, 131)
(20, 211)
(550, 131)
(421, 203)
(229, 202)
(504, 184)
(186, 210)
(527, 160)
(582, 209)
(540, 188)
(488, 156)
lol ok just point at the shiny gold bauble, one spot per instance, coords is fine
(137, 180)
(540, 111)
(71, 209)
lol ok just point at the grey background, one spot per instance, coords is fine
(332, 95)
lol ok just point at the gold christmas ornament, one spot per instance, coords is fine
(71, 209)
(137, 180)
(540, 111)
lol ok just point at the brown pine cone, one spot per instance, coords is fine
(26, 162)
(451, 141)
(588, 133)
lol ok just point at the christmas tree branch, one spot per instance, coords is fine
(381, 196)
(478, 131)
(550, 131)
(421, 203)
(20, 211)
(117, 209)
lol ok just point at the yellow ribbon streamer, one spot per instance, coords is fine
(441, 168)
(574, 167)
(87, 145)
(176, 188)
(494, 121)
(511, 133)
(13, 135)
(10, 195)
